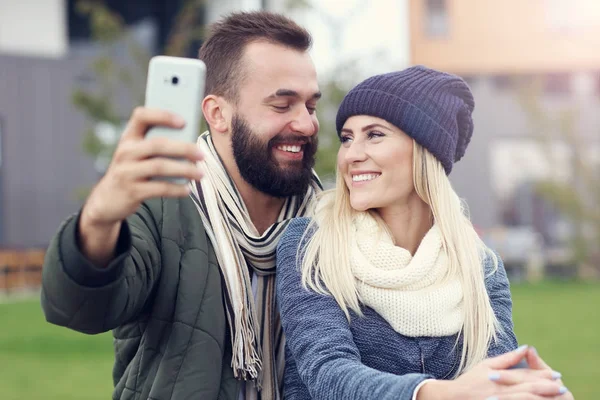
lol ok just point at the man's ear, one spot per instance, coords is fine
(217, 113)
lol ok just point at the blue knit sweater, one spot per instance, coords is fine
(328, 358)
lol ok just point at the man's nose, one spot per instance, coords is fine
(304, 123)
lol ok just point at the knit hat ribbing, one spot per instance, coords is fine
(434, 108)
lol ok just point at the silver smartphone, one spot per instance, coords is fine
(176, 84)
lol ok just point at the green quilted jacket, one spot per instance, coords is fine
(162, 298)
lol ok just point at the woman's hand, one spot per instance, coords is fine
(536, 362)
(492, 379)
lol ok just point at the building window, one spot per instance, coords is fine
(557, 83)
(436, 18)
(502, 82)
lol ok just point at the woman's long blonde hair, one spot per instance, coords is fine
(326, 264)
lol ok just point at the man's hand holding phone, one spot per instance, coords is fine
(129, 180)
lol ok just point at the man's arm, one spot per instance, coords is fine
(78, 294)
(97, 241)
(102, 264)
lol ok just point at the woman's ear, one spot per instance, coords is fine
(217, 112)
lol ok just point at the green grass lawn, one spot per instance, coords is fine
(41, 361)
(562, 321)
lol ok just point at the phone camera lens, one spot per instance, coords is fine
(174, 80)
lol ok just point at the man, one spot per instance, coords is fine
(184, 275)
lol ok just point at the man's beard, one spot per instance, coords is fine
(259, 168)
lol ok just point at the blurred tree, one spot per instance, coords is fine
(116, 78)
(333, 91)
(576, 199)
(335, 84)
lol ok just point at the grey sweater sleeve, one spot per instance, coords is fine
(319, 339)
(498, 288)
(78, 295)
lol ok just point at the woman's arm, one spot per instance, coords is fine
(320, 341)
(498, 288)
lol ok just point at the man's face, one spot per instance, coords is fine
(274, 125)
(258, 165)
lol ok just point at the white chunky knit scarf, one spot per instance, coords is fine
(408, 292)
(256, 333)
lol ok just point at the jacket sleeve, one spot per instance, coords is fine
(78, 295)
(498, 288)
(293, 387)
(320, 341)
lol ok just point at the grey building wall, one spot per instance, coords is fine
(42, 159)
(499, 115)
(495, 115)
(43, 164)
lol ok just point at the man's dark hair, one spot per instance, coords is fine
(224, 47)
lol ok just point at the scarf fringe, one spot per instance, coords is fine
(246, 360)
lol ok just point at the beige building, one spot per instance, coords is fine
(490, 42)
(508, 36)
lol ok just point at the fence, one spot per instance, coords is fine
(20, 270)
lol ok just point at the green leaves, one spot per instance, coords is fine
(96, 107)
(106, 26)
(576, 199)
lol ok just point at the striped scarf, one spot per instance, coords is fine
(256, 334)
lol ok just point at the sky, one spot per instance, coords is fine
(373, 34)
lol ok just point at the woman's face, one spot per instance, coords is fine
(375, 160)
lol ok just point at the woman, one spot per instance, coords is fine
(389, 293)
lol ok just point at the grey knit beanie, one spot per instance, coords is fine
(434, 108)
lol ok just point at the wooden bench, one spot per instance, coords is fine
(21, 269)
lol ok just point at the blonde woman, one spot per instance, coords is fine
(388, 292)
